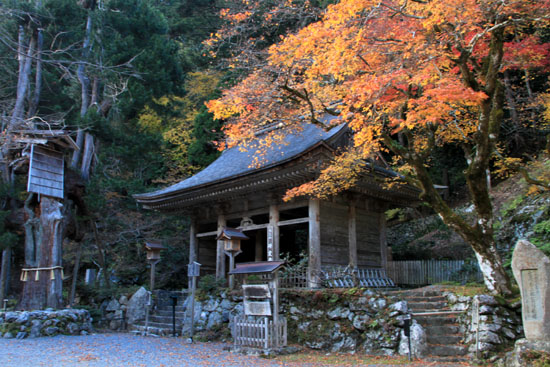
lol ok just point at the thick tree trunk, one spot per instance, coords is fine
(43, 285)
(101, 255)
(75, 274)
(95, 92)
(82, 77)
(25, 63)
(33, 104)
(510, 100)
(478, 235)
(490, 263)
(77, 153)
(87, 156)
(84, 90)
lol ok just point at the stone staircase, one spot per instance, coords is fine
(429, 308)
(160, 318)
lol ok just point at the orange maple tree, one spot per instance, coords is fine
(407, 76)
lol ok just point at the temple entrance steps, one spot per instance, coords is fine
(429, 308)
(160, 318)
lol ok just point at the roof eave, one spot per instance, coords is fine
(145, 198)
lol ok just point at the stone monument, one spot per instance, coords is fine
(531, 269)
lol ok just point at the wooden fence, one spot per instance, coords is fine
(259, 333)
(424, 272)
(294, 279)
(338, 277)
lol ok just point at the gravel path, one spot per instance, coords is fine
(118, 350)
(125, 350)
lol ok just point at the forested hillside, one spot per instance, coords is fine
(445, 94)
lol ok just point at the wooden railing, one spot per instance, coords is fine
(293, 279)
(414, 272)
(259, 332)
(338, 277)
(424, 272)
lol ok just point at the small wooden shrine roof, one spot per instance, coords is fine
(154, 246)
(257, 267)
(232, 234)
(61, 138)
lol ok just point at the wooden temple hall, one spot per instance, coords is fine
(349, 229)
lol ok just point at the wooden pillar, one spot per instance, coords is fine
(152, 278)
(352, 235)
(231, 267)
(314, 242)
(383, 240)
(273, 223)
(193, 245)
(220, 256)
(5, 274)
(259, 252)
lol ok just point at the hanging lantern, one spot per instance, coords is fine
(153, 251)
(231, 239)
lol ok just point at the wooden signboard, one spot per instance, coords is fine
(256, 291)
(257, 300)
(46, 172)
(257, 308)
(475, 315)
(193, 269)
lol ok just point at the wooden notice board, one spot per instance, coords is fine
(257, 300)
(46, 172)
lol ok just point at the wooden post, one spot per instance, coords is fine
(352, 235)
(193, 288)
(231, 267)
(75, 274)
(5, 274)
(383, 241)
(220, 256)
(259, 252)
(273, 220)
(152, 280)
(193, 245)
(276, 308)
(314, 242)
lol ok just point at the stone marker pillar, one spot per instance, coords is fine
(532, 272)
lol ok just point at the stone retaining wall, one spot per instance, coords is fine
(499, 325)
(346, 321)
(33, 324)
(369, 322)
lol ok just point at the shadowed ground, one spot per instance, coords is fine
(118, 350)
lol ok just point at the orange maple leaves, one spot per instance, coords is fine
(425, 68)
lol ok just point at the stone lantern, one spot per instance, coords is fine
(231, 238)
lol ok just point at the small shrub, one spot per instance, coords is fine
(511, 206)
(537, 358)
(209, 284)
